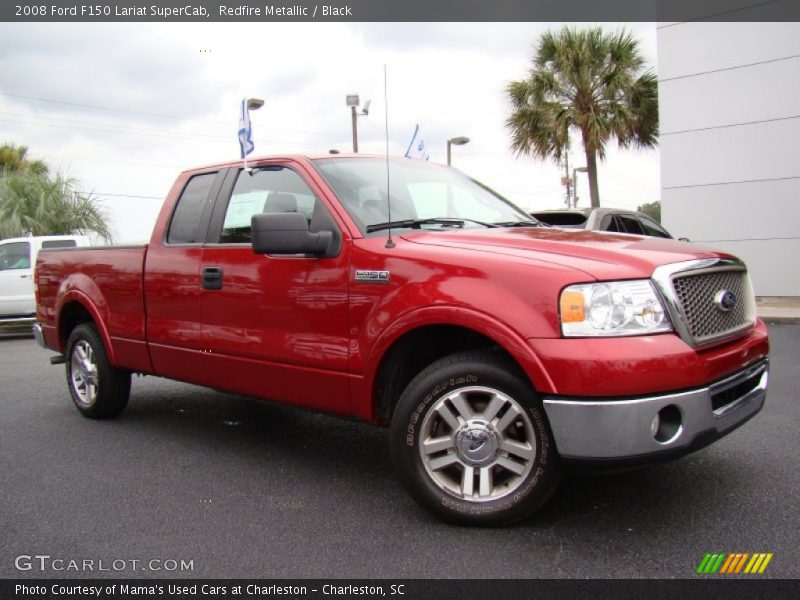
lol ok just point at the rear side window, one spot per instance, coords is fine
(185, 225)
(608, 223)
(58, 244)
(565, 219)
(15, 255)
(630, 225)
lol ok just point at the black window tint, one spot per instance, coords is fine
(630, 225)
(187, 216)
(268, 189)
(59, 244)
(652, 228)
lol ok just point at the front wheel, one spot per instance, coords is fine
(471, 442)
(97, 387)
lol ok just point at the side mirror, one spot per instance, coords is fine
(287, 233)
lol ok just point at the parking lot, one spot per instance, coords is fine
(241, 488)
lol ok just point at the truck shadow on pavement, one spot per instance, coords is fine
(273, 436)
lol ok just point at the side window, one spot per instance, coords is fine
(652, 228)
(630, 225)
(58, 244)
(608, 223)
(183, 229)
(16, 255)
(268, 189)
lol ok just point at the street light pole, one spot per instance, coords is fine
(353, 101)
(458, 141)
(355, 129)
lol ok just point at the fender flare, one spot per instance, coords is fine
(74, 295)
(480, 322)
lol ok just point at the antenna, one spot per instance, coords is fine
(389, 241)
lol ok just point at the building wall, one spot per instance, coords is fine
(729, 97)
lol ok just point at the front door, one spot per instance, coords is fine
(275, 326)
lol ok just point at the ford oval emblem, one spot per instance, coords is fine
(724, 300)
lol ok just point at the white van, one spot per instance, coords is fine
(17, 260)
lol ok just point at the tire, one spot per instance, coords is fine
(99, 389)
(471, 442)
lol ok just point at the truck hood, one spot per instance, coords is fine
(601, 255)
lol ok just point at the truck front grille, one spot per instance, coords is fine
(698, 297)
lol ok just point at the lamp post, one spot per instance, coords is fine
(458, 141)
(575, 184)
(352, 100)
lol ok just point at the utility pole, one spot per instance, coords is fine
(566, 179)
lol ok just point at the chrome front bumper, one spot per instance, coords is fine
(637, 428)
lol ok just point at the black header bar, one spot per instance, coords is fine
(398, 10)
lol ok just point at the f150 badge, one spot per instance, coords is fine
(372, 276)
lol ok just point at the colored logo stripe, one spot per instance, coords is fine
(733, 563)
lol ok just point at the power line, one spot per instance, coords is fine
(146, 114)
(151, 133)
(680, 187)
(727, 125)
(120, 162)
(719, 14)
(754, 64)
(128, 196)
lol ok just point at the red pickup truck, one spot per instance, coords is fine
(495, 349)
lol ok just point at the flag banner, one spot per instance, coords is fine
(246, 144)
(417, 149)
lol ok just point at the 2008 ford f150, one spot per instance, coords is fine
(494, 348)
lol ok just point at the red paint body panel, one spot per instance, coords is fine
(610, 367)
(303, 331)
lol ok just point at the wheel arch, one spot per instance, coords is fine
(75, 309)
(418, 339)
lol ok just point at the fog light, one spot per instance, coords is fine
(667, 425)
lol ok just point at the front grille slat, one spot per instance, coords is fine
(695, 293)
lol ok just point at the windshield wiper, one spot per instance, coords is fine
(520, 224)
(418, 223)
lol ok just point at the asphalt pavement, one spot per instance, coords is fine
(241, 488)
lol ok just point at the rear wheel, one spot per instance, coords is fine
(98, 388)
(471, 442)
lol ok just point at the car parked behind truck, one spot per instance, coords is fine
(494, 349)
(17, 259)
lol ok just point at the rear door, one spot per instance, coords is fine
(275, 326)
(172, 280)
(16, 279)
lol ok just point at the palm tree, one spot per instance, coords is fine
(31, 203)
(591, 81)
(13, 158)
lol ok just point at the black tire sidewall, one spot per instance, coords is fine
(441, 378)
(113, 385)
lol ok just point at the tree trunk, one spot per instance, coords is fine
(591, 169)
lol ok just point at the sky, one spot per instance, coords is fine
(124, 107)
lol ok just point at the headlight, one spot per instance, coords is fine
(613, 308)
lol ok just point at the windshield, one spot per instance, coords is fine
(423, 196)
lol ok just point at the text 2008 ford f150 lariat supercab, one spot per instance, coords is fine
(494, 348)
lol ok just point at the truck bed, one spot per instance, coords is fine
(112, 276)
